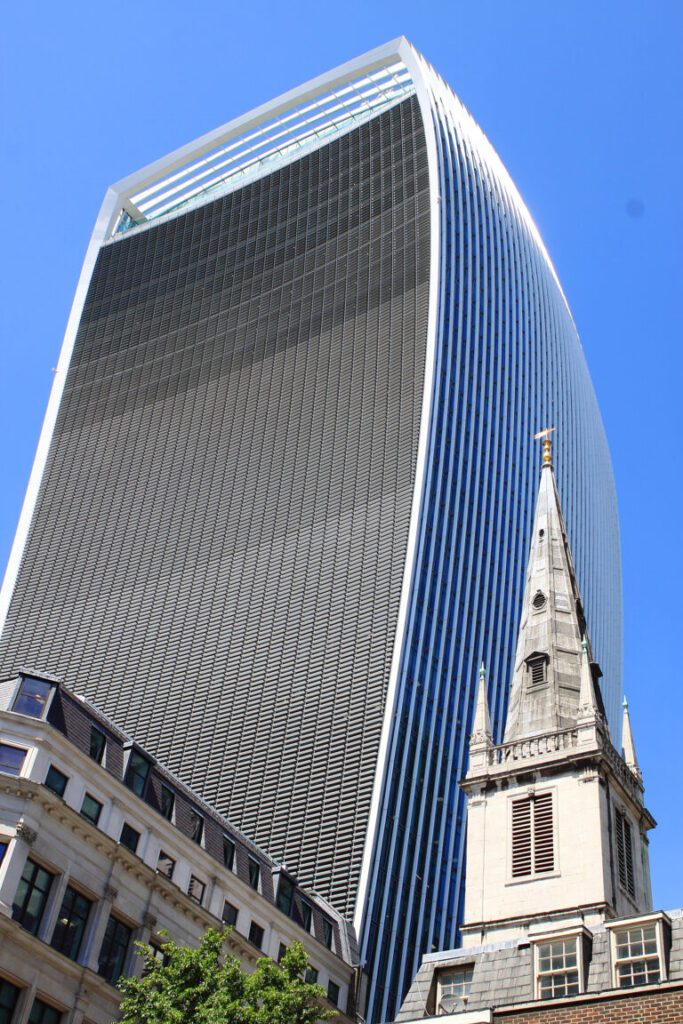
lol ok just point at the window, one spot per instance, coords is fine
(130, 837)
(536, 667)
(333, 992)
(167, 802)
(196, 889)
(625, 854)
(327, 932)
(256, 934)
(3, 849)
(113, 950)
(254, 873)
(11, 759)
(230, 913)
(137, 772)
(43, 1013)
(533, 848)
(454, 988)
(311, 976)
(9, 994)
(98, 744)
(159, 951)
(91, 809)
(196, 826)
(32, 697)
(638, 953)
(165, 864)
(32, 892)
(71, 922)
(228, 853)
(56, 780)
(285, 895)
(557, 968)
(282, 949)
(306, 915)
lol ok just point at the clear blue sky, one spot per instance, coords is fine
(582, 99)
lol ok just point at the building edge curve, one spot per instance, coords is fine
(444, 116)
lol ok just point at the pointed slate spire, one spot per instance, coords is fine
(629, 750)
(553, 672)
(481, 726)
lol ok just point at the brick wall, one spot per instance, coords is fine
(662, 1007)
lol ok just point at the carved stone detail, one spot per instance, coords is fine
(28, 835)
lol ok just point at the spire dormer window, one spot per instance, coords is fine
(533, 836)
(536, 665)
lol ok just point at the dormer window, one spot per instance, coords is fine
(98, 744)
(536, 665)
(557, 968)
(454, 984)
(306, 915)
(228, 853)
(285, 895)
(137, 772)
(640, 949)
(196, 826)
(33, 697)
(167, 805)
(254, 873)
(560, 964)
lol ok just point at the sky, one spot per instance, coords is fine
(582, 101)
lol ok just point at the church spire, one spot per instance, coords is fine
(524, 806)
(553, 675)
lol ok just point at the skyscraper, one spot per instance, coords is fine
(282, 500)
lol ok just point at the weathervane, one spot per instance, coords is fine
(547, 444)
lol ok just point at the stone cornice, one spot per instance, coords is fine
(547, 752)
(155, 882)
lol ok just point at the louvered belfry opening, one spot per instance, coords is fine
(625, 854)
(533, 848)
(536, 666)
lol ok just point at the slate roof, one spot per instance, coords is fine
(503, 973)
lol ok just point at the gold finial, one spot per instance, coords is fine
(547, 444)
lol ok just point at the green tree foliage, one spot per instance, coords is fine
(201, 986)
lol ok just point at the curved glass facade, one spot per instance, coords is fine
(217, 554)
(508, 362)
(286, 505)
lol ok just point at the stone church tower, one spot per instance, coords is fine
(557, 828)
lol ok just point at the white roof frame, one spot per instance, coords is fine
(139, 193)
